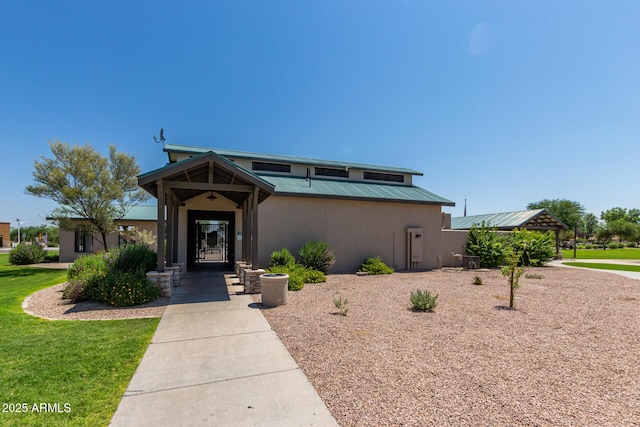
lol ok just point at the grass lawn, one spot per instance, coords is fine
(85, 365)
(604, 266)
(627, 253)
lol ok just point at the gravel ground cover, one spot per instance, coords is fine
(567, 355)
(48, 304)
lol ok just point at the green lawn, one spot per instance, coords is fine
(627, 253)
(85, 365)
(604, 266)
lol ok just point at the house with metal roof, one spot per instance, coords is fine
(221, 206)
(80, 241)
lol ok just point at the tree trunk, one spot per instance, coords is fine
(511, 296)
(104, 241)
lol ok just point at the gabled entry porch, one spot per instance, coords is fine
(206, 189)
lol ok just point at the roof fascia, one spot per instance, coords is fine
(202, 158)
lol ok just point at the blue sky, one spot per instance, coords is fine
(499, 102)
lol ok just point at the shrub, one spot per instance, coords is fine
(375, 266)
(132, 258)
(341, 304)
(127, 289)
(296, 275)
(613, 245)
(117, 277)
(282, 258)
(485, 243)
(87, 265)
(535, 248)
(314, 276)
(316, 255)
(423, 301)
(631, 245)
(74, 291)
(24, 254)
(477, 280)
(589, 246)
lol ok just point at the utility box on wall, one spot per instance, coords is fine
(414, 247)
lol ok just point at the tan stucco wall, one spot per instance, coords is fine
(353, 229)
(453, 241)
(67, 240)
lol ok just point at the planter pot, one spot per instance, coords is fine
(274, 287)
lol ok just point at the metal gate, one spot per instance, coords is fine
(212, 239)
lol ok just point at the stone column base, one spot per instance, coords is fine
(175, 279)
(252, 281)
(243, 268)
(162, 281)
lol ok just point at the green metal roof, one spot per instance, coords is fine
(288, 159)
(538, 218)
(136, 213)
(299, 186)
(142, 213)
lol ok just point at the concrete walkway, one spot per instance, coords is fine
(630, 274)
(214, 361)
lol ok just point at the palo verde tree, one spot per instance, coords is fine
(88, 185)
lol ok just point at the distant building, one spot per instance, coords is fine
(5, 234)
(81, 241)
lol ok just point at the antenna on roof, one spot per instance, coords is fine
(161, 139)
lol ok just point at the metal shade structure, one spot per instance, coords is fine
(537, 219)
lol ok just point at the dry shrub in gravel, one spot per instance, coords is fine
(567, 355)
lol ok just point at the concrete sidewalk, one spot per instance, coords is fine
(629, 274)
(214, 361)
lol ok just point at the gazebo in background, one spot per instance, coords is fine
(537, 219)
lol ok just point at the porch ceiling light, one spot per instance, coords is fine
(211, 197)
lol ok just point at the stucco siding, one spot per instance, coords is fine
(453, 241)
(353, 229)
(67, 240)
